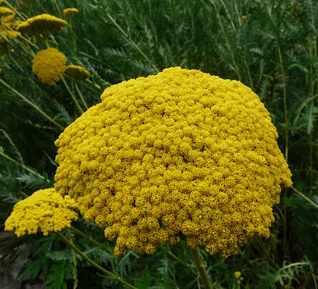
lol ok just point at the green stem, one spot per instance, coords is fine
(16, 11)
(81, 96)
(21, 36)
(94, 58)
(89, 238)
(72, 94)
(25, 48)
(131, 41)
(285, 99)
(201, 268)
(90, 261)
(227, 43)
(32, 104)
(21, 165)
(74, 271)
(304, 197)
(266, 253)
(188, 266)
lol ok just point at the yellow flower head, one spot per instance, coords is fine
(7, 34)
(43, 24)
(237, 274)
(6, 14)
(70, 12)
(76, 72)
(45, 210)
(48, 64)
(181, 154)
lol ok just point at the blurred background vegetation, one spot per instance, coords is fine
(270, 46)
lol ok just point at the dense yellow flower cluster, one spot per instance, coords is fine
(179, 154)
(43, 24)
(76, 72)
(48, 64)
(45, 210)
(6, 14)
(69, 12)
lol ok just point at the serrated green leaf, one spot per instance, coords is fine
(62, 255)
(145, 281)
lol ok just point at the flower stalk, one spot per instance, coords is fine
(201, 268)
(72, 94)
(90, 261)
(32, 104)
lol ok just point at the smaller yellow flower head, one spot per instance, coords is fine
(1, 2)
(43, 24)
(70, 12)
(8, 34)
(76, 72)
(48, 64)
(45, 210)
(237, 274)
(6, 14)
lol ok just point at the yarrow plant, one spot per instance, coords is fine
(181, 154)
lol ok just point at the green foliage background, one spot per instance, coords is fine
(271, 46)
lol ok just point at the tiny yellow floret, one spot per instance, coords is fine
(45, 211)
(237, 274)
(48, 64)
(177, 155)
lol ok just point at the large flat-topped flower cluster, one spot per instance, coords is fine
(178, 154)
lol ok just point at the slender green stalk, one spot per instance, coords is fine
(21, 165)
(228, 14)
(201, 268)
(81, 96)
(89, 238)
(227, 43)
(304, 197)
(92, 57)
(92, 84)
(22, 70)
(131, 41)
(188, 266)
(281, 64)
(315, 281)
(59, 10)
(266, 253)
(90, 261)
(312, 86)
(14, 61)
(74, 271)
(25, 48)
(24, 194)
(20, 36)
(39, 110)
(72, 94)
(16, 11)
